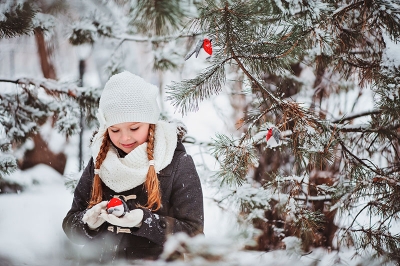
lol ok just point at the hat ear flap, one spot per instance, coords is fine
(101, 119)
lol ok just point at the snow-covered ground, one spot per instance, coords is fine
(30, 222)
(31, 232)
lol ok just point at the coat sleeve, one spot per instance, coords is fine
(186, 213)
(74, 228)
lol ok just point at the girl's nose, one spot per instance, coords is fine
(126, 136)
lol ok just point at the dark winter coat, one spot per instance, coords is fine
(181, 211)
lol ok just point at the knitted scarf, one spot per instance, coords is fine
(121, 174)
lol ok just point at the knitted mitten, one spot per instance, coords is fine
(92, 216)
(131, 219)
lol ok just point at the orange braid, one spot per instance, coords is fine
(97, 192)
(152, 185)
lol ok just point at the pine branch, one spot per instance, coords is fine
(354, 116)
(252, 122)
(234, 159)
(366, 128)
(357, 158)
(256, 81)
(51, 87)
(158, 17)
(155, 39)
(390, 17)
(187, 94)
(382, 241)
(344, 43)
(340, 11)
(18, 21)
(362, 64)
(265, 56)
(8, 164)
(29, 110)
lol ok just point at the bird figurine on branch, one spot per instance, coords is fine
(273, 137)
(203, 43)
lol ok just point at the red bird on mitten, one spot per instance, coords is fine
(205, 44)
(117, 206)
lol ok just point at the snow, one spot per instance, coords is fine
(148, 221)
(8, 7)
(30, 223)
(391, 55)
(31, 233)
(30, 229)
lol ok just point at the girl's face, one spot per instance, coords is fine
(127, 136)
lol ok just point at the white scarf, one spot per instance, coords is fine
(121, 174)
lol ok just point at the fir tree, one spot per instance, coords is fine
(34, 100)
(327, 164)
(29, 102)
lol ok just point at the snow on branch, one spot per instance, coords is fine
(187, 94)
(16, 20)
(24, 110)
(356, 115)
(51, 87)
(8, 164)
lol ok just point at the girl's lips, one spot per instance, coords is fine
(127, 145)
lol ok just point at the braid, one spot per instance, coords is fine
(152, 185)
(97, 192)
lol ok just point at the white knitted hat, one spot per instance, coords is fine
(128, 98)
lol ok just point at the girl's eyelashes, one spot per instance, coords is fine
(113, 130)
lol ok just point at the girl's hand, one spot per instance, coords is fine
(132, 218)
(92, 216)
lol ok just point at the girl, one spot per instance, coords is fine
(140, 160)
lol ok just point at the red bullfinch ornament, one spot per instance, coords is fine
(273, 137)
(117, 207)
(205, 44)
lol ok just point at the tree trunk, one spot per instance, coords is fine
(44, 55)
(41, 154)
